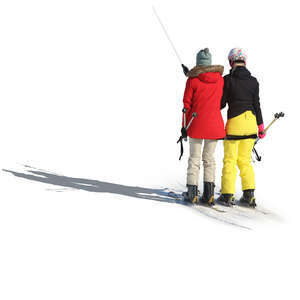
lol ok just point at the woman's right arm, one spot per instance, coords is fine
(226, 89)
(188, 95)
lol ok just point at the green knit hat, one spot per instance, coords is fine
(203, 58)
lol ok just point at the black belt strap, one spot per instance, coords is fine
(240, 137)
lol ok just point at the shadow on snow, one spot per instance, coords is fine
(96, 186)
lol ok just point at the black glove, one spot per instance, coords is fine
(185, 69)
(183, 132)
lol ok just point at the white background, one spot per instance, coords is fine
(92, 89)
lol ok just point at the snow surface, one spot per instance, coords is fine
(91, 95)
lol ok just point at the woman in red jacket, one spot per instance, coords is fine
(203, 95)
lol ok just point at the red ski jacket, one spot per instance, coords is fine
(203, 93)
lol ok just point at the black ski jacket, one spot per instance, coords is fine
(241, 93)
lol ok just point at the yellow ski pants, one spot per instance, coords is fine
(237, 153)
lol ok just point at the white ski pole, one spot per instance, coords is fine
(194, 115)
(167, 35)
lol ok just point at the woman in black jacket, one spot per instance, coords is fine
(244, 121)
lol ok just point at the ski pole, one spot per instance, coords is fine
(276, 117)
(166, 33)
(185, 69)
(194, 115)
(184, 119)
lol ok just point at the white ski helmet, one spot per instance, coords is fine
(236, 54)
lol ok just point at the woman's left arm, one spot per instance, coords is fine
(256, 105)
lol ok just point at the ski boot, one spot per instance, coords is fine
(226, 199)
(191, 195)
(208, 194)
(248, 198)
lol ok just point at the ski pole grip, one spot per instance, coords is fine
(194, 114)
(184, 117)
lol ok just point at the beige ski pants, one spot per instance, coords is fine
(208, 159)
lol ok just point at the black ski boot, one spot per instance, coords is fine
(191, 195)
(226, 199)
(208, 194)
(248, 198)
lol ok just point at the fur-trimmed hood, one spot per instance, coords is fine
(205, 69)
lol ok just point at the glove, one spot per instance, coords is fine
(261, 128)
(185, 69)
(184, 132)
